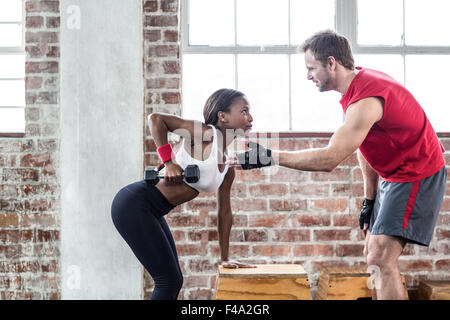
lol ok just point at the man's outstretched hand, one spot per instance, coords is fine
(256, 157)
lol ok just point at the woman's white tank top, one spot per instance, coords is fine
(210, 176)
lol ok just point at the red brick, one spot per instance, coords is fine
(170, 36)
(346, 220)
(442, 234)
(190, 281)
(306, 220)
(182, 220)
(200, 294)
(10, 282)
(239, 190)
(53, 22)
(34, 22)
(31, 114)
(47, 235)
(150, 6)
(41, 37)
(42, 6)
(252, 205)
(319, 142)
(291, 235)
(202, 204)
(8, 190)
(161, 21)
(350, 250)
(239, 250)
(249, 175)
(10, 251)
(41, 97)
(149, 145)
(50, 266)
(190, 249)
(272, 250)
(443, 264)
(280, 174)
(331, 235)
(268, 189)
(20, 175)
(171, 67)
(164, 51)
(406, 265)
(314, 250)
(171, 97)
(315, 190)
(287, 205)
(169, 5)
(443, 219)
(41, 67)
(329, 205)
(9, 220)
(202, 265)
(163, 83)
(357, 175)
(293, 144)
(152, 35)
(338, 174)
(268, 220)
(445, 204)
(341, 189)
(35, 160)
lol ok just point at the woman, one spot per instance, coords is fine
(138, 209)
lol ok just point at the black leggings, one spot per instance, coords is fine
(138, 213)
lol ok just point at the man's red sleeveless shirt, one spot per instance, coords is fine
(402, 146)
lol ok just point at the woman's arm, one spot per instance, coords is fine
(225, 217)
(225, 221)
(162, 123)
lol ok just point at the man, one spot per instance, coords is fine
(395, 141)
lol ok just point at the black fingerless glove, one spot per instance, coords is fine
(366, 212)
(257, 157)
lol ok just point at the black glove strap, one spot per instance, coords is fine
(366, 212)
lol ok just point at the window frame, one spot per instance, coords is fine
(19, 50)
(346, 23)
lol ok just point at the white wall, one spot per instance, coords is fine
(101, 143)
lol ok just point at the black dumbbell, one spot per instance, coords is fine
(191, 174)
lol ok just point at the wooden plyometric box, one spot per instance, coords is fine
(434, 290)
(265, 282)
(346, 283)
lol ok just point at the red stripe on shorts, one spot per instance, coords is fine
(411, 201)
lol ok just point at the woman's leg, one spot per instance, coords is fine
(147, 237)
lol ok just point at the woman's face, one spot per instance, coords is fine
(239, 117)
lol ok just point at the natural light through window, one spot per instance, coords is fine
(12, 67)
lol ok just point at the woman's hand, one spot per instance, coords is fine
(234, 264)
(174, 173)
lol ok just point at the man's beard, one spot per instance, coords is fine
(325, 85)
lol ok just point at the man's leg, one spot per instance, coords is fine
(383, 252)
(366, 245)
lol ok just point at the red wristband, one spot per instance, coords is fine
(165, 153)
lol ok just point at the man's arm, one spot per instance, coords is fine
(370, 178)
(360, 117)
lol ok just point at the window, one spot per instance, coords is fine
(12, 67)
(252, 46)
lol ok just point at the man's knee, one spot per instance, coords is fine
(383, 252)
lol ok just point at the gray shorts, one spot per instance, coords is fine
(409, 210)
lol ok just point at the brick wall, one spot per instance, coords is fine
(29, 185)
(280, 215)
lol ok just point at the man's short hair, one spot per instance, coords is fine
(328, 43)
